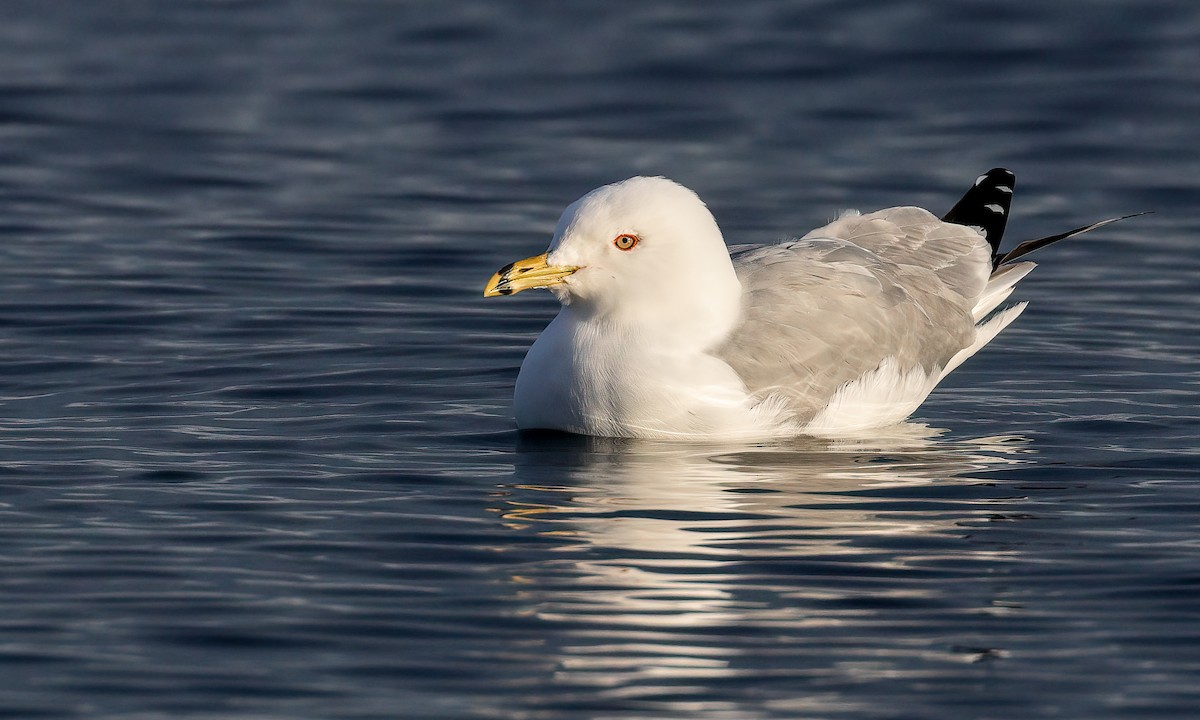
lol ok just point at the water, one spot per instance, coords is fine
(256, 454)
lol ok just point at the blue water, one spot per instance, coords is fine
(256, 449)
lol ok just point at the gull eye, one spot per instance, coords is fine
(625, 241)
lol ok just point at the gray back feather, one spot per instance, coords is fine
(821, 311)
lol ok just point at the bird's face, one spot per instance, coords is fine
(646, 248)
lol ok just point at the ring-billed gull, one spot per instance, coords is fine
(666, 333)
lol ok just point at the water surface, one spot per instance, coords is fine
(256, 449)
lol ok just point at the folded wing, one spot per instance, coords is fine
(898, 285)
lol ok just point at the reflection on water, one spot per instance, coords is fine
(676, 564)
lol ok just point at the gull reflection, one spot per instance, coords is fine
(668, 564)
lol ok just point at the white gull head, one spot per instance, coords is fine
(647, 288)
(651, 260)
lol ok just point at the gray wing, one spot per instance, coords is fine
(823, 310)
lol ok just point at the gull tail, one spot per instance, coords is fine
(986, 205)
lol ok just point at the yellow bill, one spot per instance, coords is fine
(532, 272)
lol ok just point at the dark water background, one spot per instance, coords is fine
(256, 455)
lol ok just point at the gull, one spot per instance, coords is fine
(666, 333)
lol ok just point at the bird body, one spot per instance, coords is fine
(666, 333)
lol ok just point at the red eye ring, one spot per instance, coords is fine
(625, 241)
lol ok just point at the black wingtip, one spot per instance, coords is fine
(986, 205)
(1030, 245)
